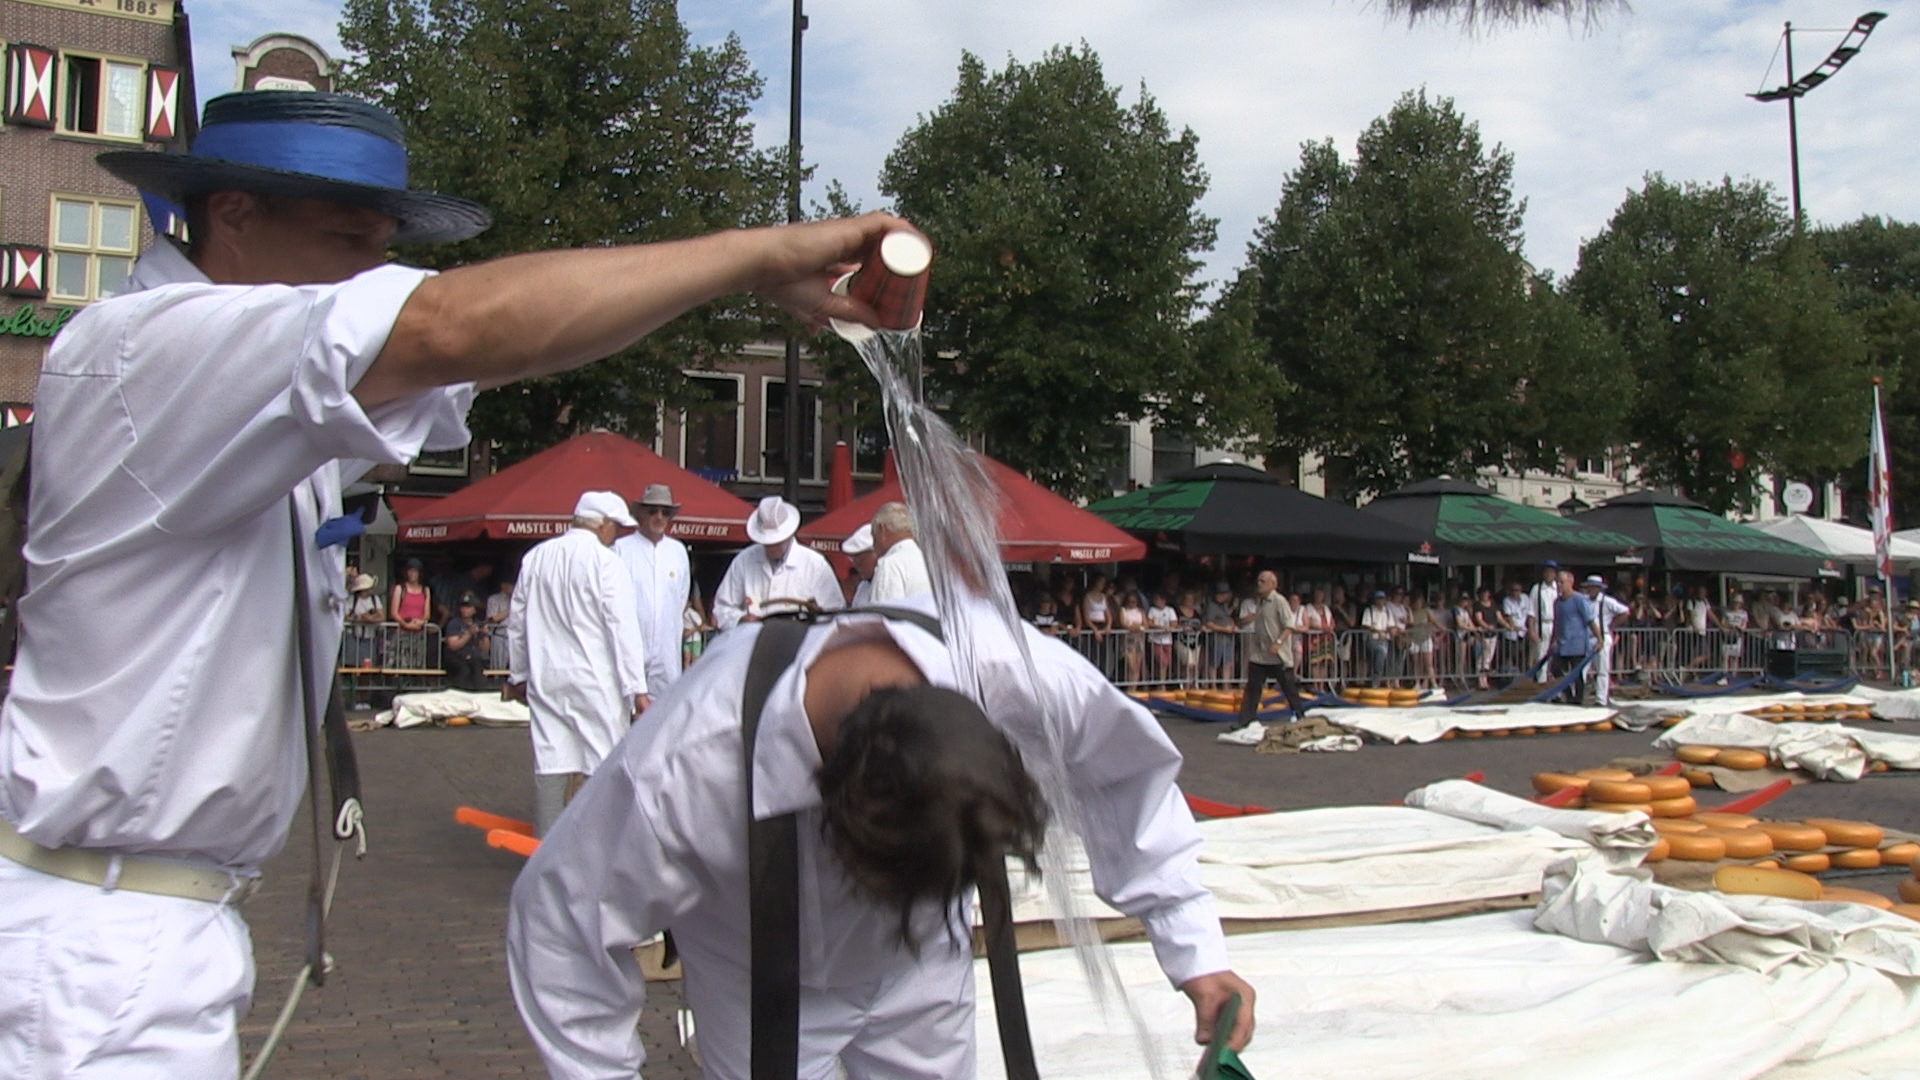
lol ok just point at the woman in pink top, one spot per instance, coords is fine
(411, 600)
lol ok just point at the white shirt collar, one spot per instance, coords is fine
(164, 264)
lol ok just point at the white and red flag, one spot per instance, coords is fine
(1880, 493)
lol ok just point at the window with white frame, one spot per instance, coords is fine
(101, 96)
(92, 247)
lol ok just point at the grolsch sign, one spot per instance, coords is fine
(25, 322)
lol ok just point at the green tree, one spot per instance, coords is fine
(578, 124)
(1391, 294)
(1742, 356)
(1063, 298)
(1877, 266)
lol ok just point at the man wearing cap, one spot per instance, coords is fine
(464, 645)
(196, 427)
(775, 574)
(901, 570)
(658, 567)
(1540, 601)
(858, 549)
(1606, 608)
(577, 660)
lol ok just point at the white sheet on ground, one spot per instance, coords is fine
(1426, 723)
(1641, 715)
(482, 707)
(1623, 840)
(1473, 998)
(1829, 751)
(1346, 860)
(1892, 704)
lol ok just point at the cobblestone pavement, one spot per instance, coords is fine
(420, 988)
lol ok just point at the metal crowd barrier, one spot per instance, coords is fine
(381, 658)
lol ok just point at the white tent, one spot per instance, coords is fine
(1839, 541)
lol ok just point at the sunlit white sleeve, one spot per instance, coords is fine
(606, 878)
(621, 612)
(824, 588)
(517, 663)
(730, 599)
(1142, 843)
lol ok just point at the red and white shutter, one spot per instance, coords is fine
(25, 269)
(30, 76)
(18, 415)
(163, 103)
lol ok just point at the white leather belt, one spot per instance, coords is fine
(128, 872)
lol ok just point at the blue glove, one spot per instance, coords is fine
(338, 531)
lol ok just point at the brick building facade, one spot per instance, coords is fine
(282, 62)
(81, 77)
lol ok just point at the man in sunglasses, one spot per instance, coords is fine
(658, 565)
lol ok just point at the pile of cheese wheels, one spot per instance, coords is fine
(1732, 757)
(1222, 699)
(1838, 710)
(1693, 835)
(1537, 729)
(1381, 697)
(1776, 881)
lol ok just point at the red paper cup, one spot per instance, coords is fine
(892, 278)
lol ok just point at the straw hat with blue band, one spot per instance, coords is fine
(305, 145)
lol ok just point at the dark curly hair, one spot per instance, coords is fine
(918, 791)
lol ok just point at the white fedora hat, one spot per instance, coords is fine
(859, 543)
(773, 521)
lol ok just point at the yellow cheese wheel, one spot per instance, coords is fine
(1500, 732)
(1699, 778)
(1673, 808)
(1546, 783)
(1667, 787)
(1812, 863)
(1716, 819)
(1447, 734)
(1603, 725)
(1736, 758)
(1743, 843)
(1879, 766)
(1472, 734)
(1754, 881)
(1766, 864)
(1619, 775)
(1698, 847)
(458, 721)
(1671, 721)
(1837, 895)
(1697, 755)
(1661, 849)
(1620, 791)
(1910, 891)
(1901, 854)
(1911, 911)
(1670, 826)
(1843, 833)
(1793, 836)
(1526, 731)
(1619, 807)
(1856, 859)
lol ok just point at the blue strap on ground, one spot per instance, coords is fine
(1554, 691)
(1708, 690)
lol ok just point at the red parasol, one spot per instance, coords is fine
(534, 499)
(1035, 524)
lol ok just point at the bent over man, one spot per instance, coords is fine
(197, 428)
(900, 786)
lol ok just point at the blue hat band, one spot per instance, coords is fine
(336, 153)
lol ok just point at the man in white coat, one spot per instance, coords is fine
(577, 661)
(1540, 600)
(775, 574)
(658, 567)
(198, 427)
(657, 840)
(902, 569)
(1606, 608)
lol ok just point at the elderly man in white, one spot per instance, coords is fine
(657, 565)
(775, 574)
(902, 569)
(577, 661)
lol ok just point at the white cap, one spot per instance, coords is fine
(773, 521)
(859, 543)
(606, 505)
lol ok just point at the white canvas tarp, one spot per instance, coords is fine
(1426, 723)
(1828, 751)
(484, 708)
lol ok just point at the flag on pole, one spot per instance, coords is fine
(1880, 493)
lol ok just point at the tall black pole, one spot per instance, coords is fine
(1793, 129)
(790, 488)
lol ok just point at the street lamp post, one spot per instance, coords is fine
(1795, 89)
(790, 487)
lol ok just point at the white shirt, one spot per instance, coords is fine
(900, 573)
(661, 580)
(657, 840)
(1608, 607)
(1519, 612)
(1540, 600)
(752, 582)
(861, 593)
(577, 649)
(155, 706)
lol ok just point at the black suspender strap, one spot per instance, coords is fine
(773, 874)
(773, 869)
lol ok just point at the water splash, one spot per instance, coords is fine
(956, 510)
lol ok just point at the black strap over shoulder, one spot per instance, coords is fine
(773, 868)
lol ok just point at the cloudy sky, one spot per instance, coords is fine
(1585, 112)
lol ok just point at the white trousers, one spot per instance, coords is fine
(100, 985)
(916, 1024)
(1603, 672)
